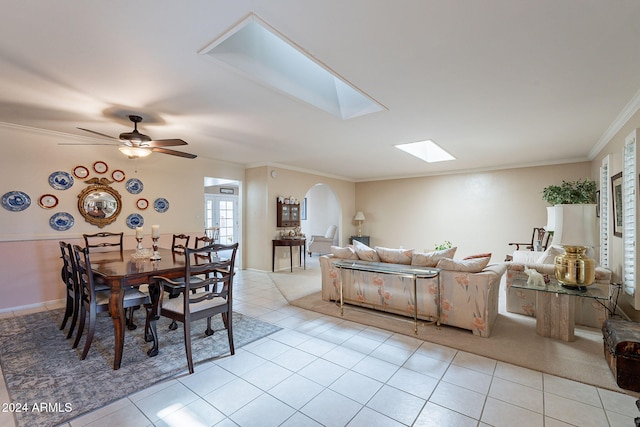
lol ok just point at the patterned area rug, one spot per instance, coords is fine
(51, 385)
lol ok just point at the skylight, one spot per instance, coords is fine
(260, 52)
(428, 151)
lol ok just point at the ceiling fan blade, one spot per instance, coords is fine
(166, 143)
(173, 152)
(98, 133)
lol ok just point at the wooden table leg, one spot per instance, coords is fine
(273, 257)
(555, 316)
(116, 298)
(291, 257)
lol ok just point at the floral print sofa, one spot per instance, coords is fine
(469, 288)
(589, 312)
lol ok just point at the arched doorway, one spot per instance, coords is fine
(322, 210)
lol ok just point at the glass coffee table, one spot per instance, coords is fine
(412, 272)
(556, 306)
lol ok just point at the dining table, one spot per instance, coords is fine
(120, 270)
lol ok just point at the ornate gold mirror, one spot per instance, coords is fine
(99, 204)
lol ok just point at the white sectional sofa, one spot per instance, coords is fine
(469, 288)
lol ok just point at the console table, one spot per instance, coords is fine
(408, 271)
(290, 243)
(556, 306)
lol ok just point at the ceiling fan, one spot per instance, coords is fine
(135, 144)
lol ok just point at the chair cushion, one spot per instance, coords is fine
(176, 305)
(474, 265)
(395, 256)
(430, 259)
(364, 252)
(102, 297)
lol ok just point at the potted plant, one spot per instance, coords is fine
(573, 219)
(571, 193)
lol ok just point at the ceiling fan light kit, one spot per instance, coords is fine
(134, 152)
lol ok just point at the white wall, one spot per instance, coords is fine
(478, 212)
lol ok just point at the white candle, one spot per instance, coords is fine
(155, 231)
(139, 233)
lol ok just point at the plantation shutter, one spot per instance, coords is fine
(629, 214)
(604, 212)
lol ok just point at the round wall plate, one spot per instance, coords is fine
(48, 201)
(100, 167)
(142, 204)
(80, 172)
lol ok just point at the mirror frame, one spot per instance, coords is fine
(102, 185)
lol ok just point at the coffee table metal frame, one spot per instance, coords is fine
(406, 271)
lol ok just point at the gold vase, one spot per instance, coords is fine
(574, 268)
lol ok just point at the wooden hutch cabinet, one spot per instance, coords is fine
(288, 214)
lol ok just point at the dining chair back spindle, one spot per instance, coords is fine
(70, 280)
(96, 301)
(214, 292)
(103, 241)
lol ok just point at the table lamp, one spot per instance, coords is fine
(575, 231)
(359, 218)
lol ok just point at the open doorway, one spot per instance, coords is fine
(322, 210)
(222, 210)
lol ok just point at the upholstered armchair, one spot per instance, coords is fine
(322, 244)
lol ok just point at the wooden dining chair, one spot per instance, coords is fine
(214, 293)
(180, 243)
(94, 301)
(70, 280)
(103, 241)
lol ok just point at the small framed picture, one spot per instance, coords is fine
(616, 193)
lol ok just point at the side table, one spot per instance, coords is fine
(361, 239)
(555, 306)
(290, 243)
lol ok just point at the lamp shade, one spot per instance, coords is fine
(359, 216)
(551, 219)
(575, 225)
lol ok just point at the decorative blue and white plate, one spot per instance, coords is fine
(135, 220)
(161, 204)
(134, 186)
(61, 180)
(61, 221)
(16, 201)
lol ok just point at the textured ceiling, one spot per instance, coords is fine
(495, 83)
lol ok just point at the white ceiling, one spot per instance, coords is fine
(495, 83)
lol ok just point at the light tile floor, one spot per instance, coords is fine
(322, 371)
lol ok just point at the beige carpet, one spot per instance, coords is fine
(514, 339)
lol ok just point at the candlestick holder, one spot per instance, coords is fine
(139, 247)
(156, 255)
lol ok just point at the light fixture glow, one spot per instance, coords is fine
(428, 151)
(134, 152)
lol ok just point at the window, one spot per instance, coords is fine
(605, 206)
(629, 214)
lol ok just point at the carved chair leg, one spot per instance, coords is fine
(209, 331)
(83, 316)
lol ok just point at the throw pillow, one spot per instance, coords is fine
(343, 253)
(474, 265)
(394, 256)
(364, 252)
(549, 256)
(430, 259)
(485, 255)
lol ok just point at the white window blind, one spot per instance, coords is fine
(604, 212)
(629, 214)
